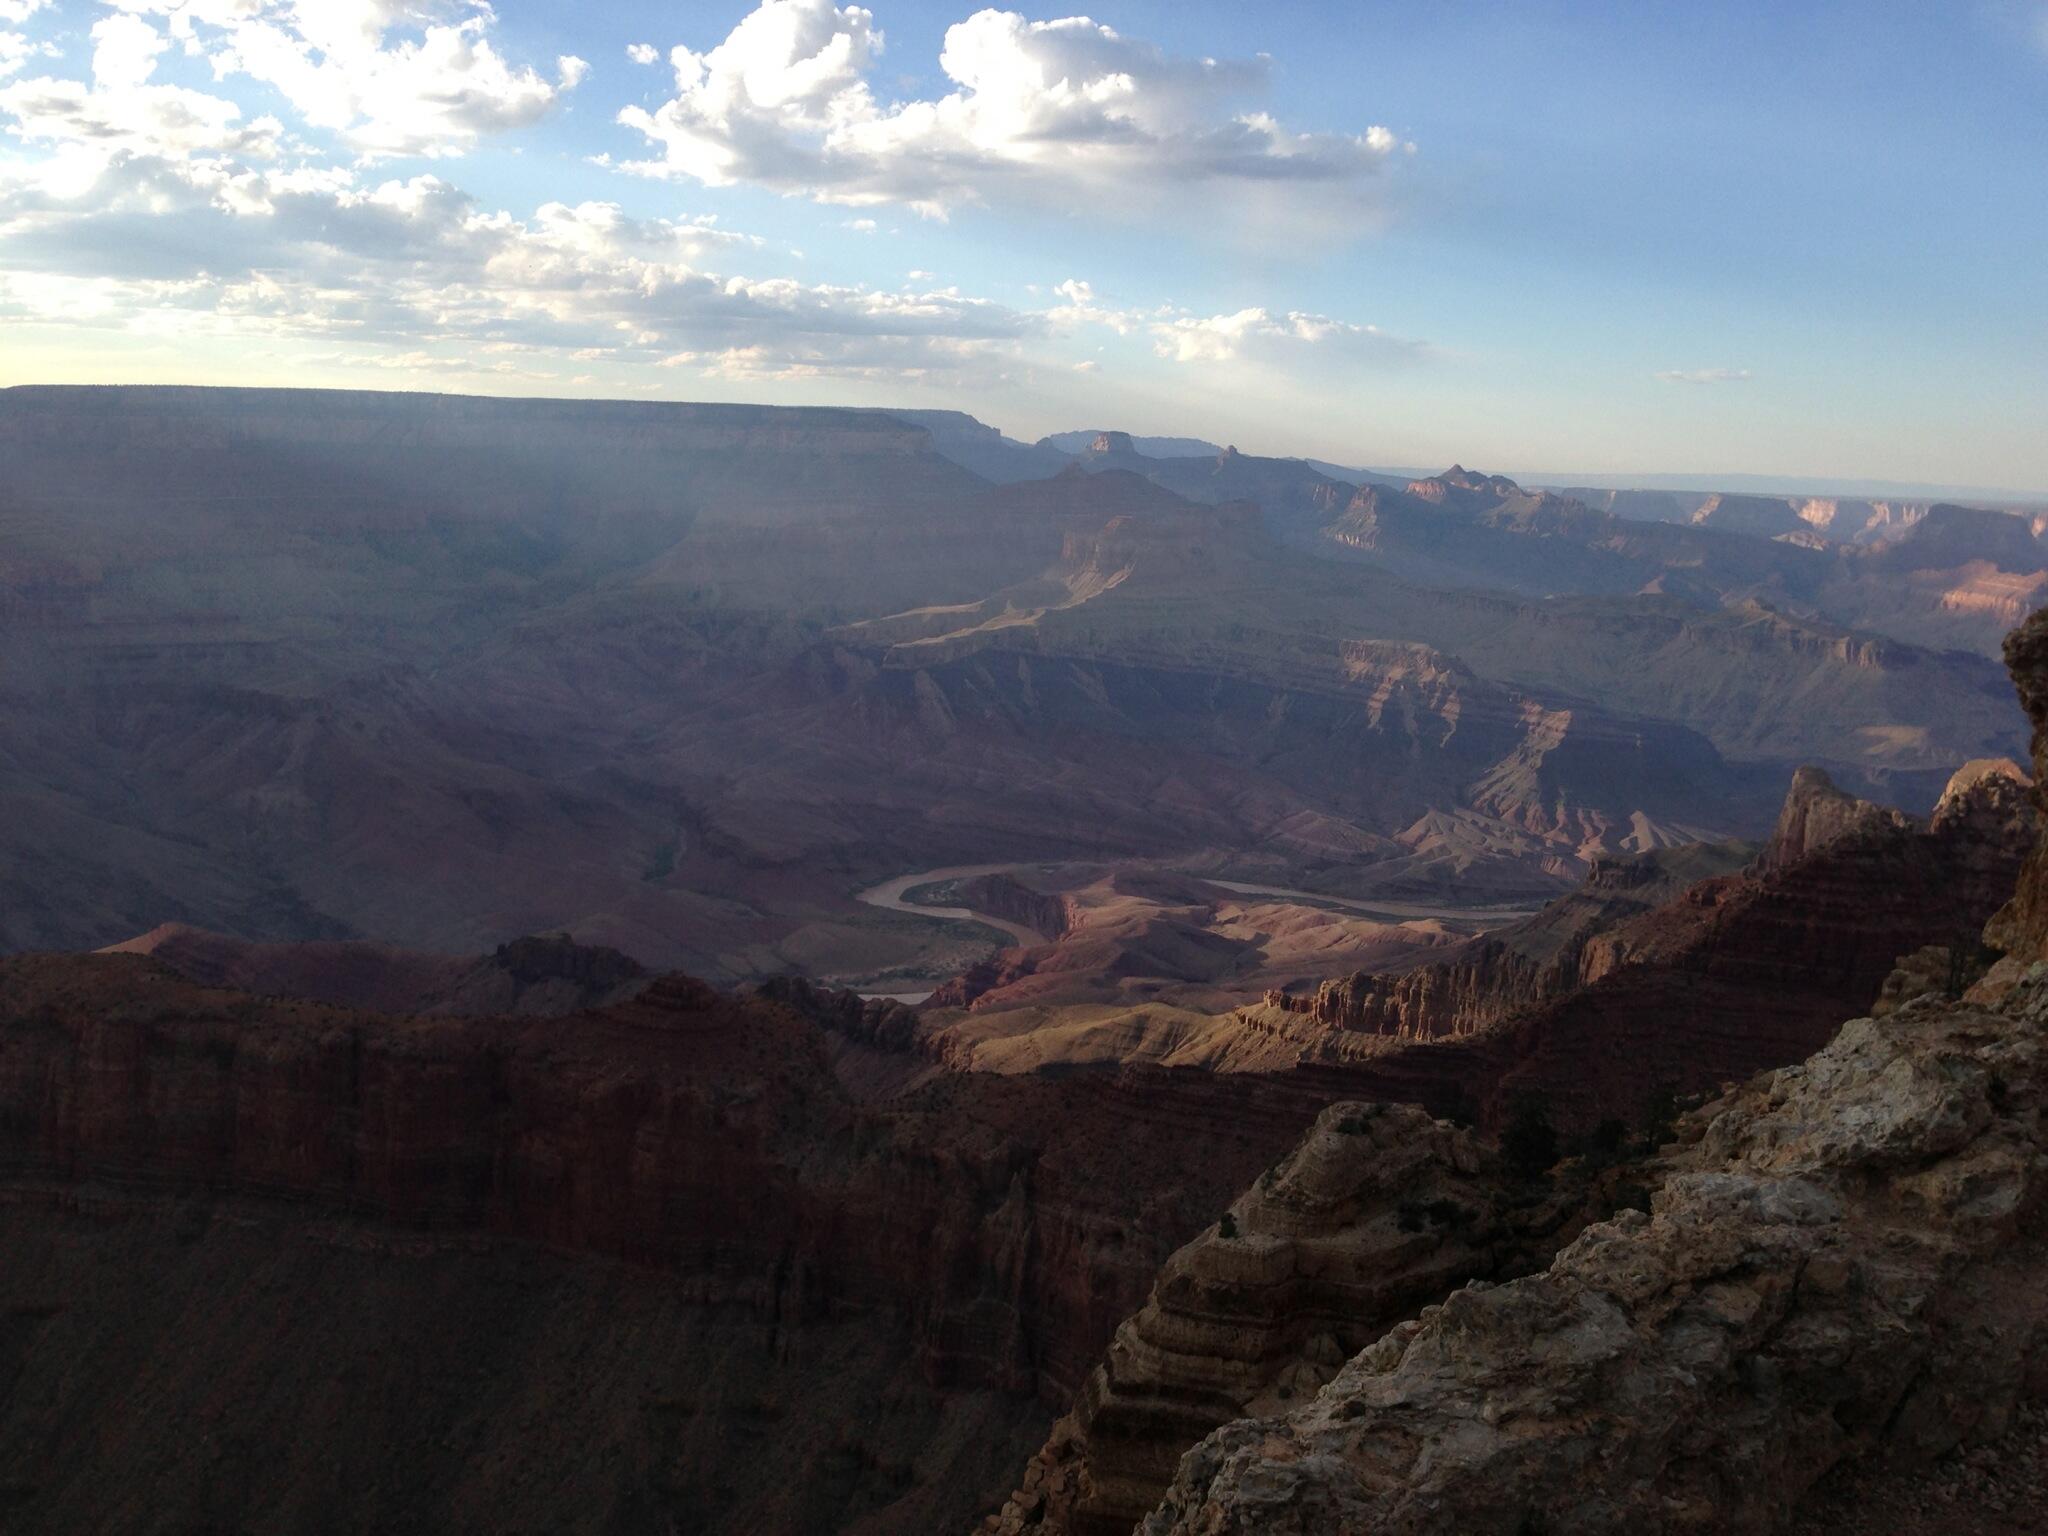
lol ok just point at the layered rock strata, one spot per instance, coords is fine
(961, 1250)
(1377, 1212)
(1840, 1260)
(1843, 1260)
(1831, 851)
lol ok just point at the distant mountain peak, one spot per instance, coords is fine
(1462, 487)
(1117, 443)
(1086, 439)
(1472, 480)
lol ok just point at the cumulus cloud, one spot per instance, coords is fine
(15, 47)
(417, 266)
(1070, 107)
(391, 77)
(123, 110)
(1261, 335)
(163, 211)
(1704, 376)
(643, 53)
(1079, 307)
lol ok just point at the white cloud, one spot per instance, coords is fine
(122, 110)
(15, 47)
(124, 52)
(415, 267)
(1081, 309)
(15, 51)
(1068, 108)
(129, 204)
(392, 77)
(1704, 376)
(1258, 334)
(643, 53)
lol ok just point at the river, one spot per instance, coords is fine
(1398, 911)
(889, 896)
(890, 893)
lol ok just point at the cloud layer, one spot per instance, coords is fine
(1704, 376)
(151, 203)
(322, 254)
(1067, 107)
(391, 77)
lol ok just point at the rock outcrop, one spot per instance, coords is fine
(1843, 1260)
(536, 976)
(1816, 814)
(2020, 930)
(1378, 1211)
(1629, 911)
(1732, 974)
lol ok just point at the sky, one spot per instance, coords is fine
(1770, 237)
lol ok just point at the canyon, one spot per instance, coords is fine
(878, 1297)
(1831, 1265)
(349, 667)
(733, 969)
(799, 1265)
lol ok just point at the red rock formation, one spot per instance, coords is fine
(539, 975)
(1732, 974)
(984, 1234)
(1378, 1211)
(1822, 1218)
(1843, 1260)
(1010, 898)
(1816, 814)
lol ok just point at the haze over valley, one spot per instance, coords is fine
(305, 666)
(792, 768)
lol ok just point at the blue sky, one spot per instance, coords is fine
(1793, 239)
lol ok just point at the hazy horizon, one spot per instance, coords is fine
(1581, 236)
(1682, 481)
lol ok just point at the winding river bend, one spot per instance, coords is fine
(1393, 911)
(889, 895)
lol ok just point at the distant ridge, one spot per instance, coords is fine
(1781, 485)
(1151, 447)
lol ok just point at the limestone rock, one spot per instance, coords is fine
(1843, 1261)
(1378, 1210)
(1816, 814)
(2020, 930)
